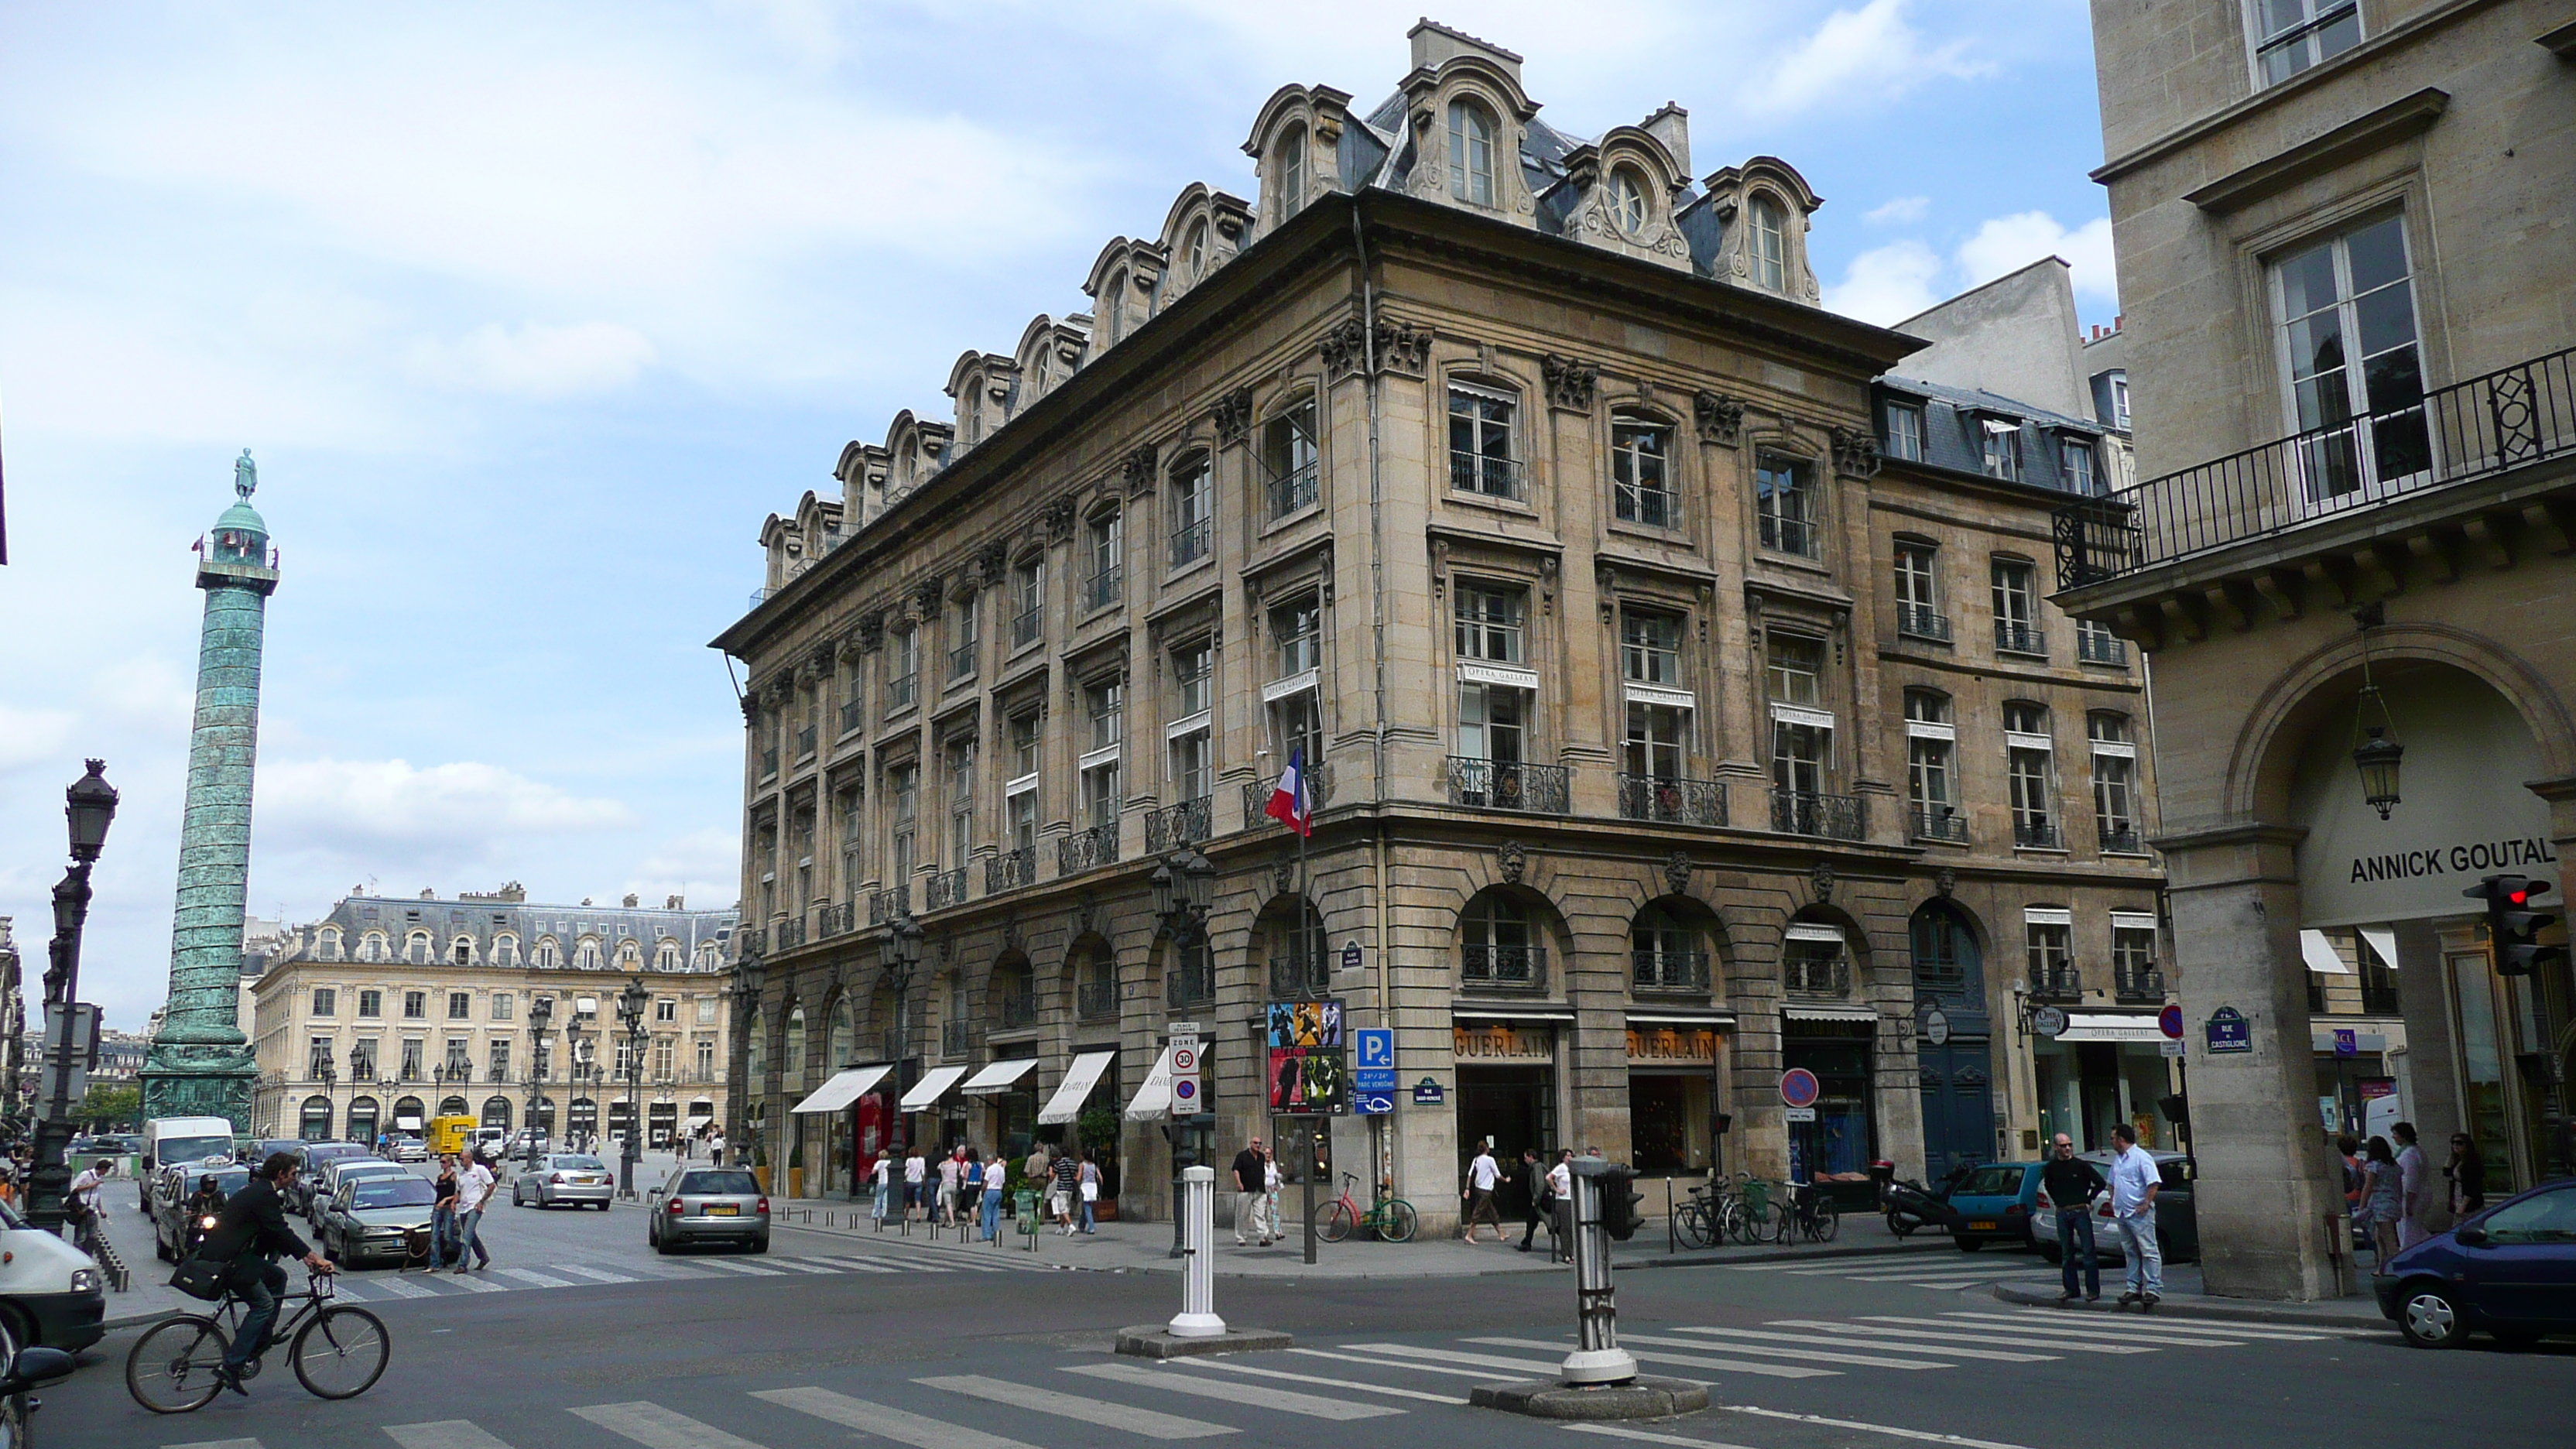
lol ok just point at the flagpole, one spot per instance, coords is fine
(1305, 902)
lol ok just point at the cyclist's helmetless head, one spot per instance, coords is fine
(278, 1167)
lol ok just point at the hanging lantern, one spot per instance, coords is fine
(2376, 750)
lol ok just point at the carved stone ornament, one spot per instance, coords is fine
(1822, 877)
(992, 562)
(1401, 349)
(751, 710)
(1086, 913)
(1720, 418)
(1058, 519)
(1513, 859)
(1283, 876)
(871, 631)
(1677, 874)
(1344, 349)
(1944, 881)
(1571, 381)
(1855, 452)
(1138, 469)
(1232, 417)
(824, 657)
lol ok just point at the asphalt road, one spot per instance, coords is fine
(830, 1342)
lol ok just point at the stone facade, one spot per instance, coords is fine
(1538, 509)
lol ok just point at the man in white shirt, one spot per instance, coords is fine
(2134, 1181)
(473, 1190)
(1482, 1175)
(2415, 1187)
(87, 1203)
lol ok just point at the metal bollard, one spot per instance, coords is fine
(1197, 1318)
(1597, 1358)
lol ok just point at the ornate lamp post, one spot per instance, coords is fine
(903, 959)
(747, 976)
(90, 805)
(330, 1075)
(1183, 887)
(541, 1015)
(630, 1012)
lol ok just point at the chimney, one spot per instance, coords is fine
(674, 903)
(630, 900)
(1671, 125)
(1434, 43)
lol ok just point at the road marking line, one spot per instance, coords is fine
(655, 1427)
(1147, 1422)
(859, 1265)
(1840, 1354)
(1467, 1360)
(801, 1266)
(1923, 1434)
(1245, 1368)
(2185, 1325)
(1650, 1436)
(542, 1280)
(403, 1288)
(1480, 1375)
(219, 1444)
(473, 1284)
(1283, 1400)
(1918, 1275)
(1804, 1265)
(1732, 1365)
(2117, 1332)
(2051, 1335)
(444, 1434)
(743, 1268)
(886, 1423)
(600, 1275)
(1934, 1341)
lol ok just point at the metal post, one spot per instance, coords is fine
(1197, 1318)
(1597, 1358)
(1306, 1129)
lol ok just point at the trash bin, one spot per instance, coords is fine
(1024, 1210)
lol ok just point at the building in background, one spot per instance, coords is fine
(2345, 256)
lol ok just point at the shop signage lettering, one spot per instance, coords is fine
(1500, 1043)
(1672, 1044)
(2478, 858)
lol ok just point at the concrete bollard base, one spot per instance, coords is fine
(1155, 1340)
(1639, 1398)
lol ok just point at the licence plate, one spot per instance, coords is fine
(723, 1210)
(585, 1182)
(1981, 1227)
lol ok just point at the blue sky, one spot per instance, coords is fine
(532, 314)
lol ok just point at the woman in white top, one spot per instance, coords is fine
(1270, 1197)
(882, 1177)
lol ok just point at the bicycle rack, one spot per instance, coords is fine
(119, 1277)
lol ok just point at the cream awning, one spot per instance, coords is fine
(2320, 954)
(2112, 1026)
(1080, 1077)
(934, 1084)
(841, 1091)
(999, 1077)
(1153, 1101)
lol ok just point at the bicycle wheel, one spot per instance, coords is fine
(171, 1370)
(1697, 1228)
(340, 1352)
(1333, 1221)
(1396, 1221)
(1828, 1221)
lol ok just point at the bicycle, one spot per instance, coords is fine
(1391, 1218)
(1752, 1218)
(1699, 1221)
(1812, 1215)
(338, 1351)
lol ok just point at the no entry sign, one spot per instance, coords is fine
(1799, 1088)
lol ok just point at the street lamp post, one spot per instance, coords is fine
(747, 975)
(90, 804)
(901, 963)
(1183, 886)
(541, 1015)
(630, 1012)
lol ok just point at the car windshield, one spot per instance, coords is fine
(331, 1152)
(392, 1192)
(193, 1149)
(719, 1182)
(1993, 1180)
(226, 1183)
(578, 1162)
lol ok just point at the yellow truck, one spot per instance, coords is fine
(449, 1134)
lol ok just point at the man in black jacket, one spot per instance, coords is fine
(2070, 1183)
(248, 1236)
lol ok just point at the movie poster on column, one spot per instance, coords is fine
(1309, 1068)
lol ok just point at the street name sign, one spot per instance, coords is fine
(2229, 1031)
(1427, 1093)
(1351, 954)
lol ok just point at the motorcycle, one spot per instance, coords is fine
(1910, 1205)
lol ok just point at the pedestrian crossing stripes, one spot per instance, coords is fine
(655, 1427)
(1283, 1400)
(378, 1287)
(1918, 1269)
(445, 1434)
(896, 1424)
(1151, 1423)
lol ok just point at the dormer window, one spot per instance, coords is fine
(1292, 172)
(1471, 152)
(1113, 307)
(1197, 250)
(1628, 199)
(1770, 247)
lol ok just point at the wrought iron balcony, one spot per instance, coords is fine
(2507, 419)
(1018, 1009)
(750, 941)
(1094, 1000)
(853, 714)
(1648, 506)
(1174, 826)
(1084, 849)
(1937, 821)
(1026, 626)
(1190, 542)
(2056, 983)
(1922, 621)
(2037, 832)
(945, 888)
(1508, 785)
(837, 919)
(1011, 870)
(961, 661)
(1190, 980)
(956, 1038)
(1683, 972)
(1668, 800)
(2138, 984)
(2120, 838)
(804, 742)
(892, 903)
(2101, 646)
(1303, 973)
(1834, 817)
(1256, 795)
(768, 760)
(1817, 975)
(1103, 588)
(1789, 535)
(901, 690)
(2018, 636)
(790, 932)
(1504, 968)
(1293, 491)
(1492, 477)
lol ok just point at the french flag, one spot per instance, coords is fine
(1290, 805)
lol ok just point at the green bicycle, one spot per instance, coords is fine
(1391, 1218)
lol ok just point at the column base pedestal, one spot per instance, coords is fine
(1154, 1340)
(1639, 1398)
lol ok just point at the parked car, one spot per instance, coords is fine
(573, 1179)
(51, 1293)
(310, 1159)
(172, 1234)
(347, 1169)
(408, 1148)
(2177, 1227)
(707, 1205)
(367, 1217)
(1994, 1204)
(2509, 1272)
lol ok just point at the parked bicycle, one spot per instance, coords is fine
(1811, 1214)
(1391, 1218)
(338, 1351)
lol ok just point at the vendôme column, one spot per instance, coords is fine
(200, 1063)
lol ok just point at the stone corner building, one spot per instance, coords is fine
(2346, 259)
(1664, 734)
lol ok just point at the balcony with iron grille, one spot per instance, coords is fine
(943, 889)
(1487, 476)
(790, 933)
(750, 941)
(804, 742)
(1176, 825)
(1301, 974)
(1011, 870)
(1190, 542)
(1932, 820)
(956, 1038)
(1190, 980)
(1103, 589)
(2056, 983)
(892, 903)
(1086, 849)
(768, 760)
(853, 715)
(1817, 976)
(1256, 795)
(1832, 817)
(1292, 491)
(2120, 838)
(1504, 968)
(1669, 800)
(1508, 785)
(1096, 1000)
(2135, 985)
(901, 691)
(837, 919)
(1789, 535)
(2101, 646)
(1669, 973)
(2018, 636)
(1922, 621)
(2378, 1000)
(1018, 1009)
(1026, 626)
(961, 661)
(2037, 832)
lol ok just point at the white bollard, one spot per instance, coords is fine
(1197, 1317)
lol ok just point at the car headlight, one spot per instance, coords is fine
(85, 1280)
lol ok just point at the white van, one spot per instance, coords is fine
(185, 1141)
(51, 1291)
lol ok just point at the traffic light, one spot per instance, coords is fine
(2513, 927)
(1619, 1199)
(2177, 1110)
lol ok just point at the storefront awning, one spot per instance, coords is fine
(2127, 1026)
(1718, 1019)
(2320, 955)
(407, 1124)
(2382, 939)
(1828, 1013)
(1510, 1013)
(934, 1084)
(841, 1091)
(999, 1077)
(1153, 1101)
(694, 1123)
(1080, 1077)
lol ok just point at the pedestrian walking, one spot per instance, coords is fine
(915, 1173)
(442, 1214)
(2383, 1197)
(2134, 1181)
(473, 1190)
(1068, 1181)
(2415, 1176)
(880, 1181)
(952, 1176)
(1087, 1184)
(2468, 1175)
(85, 1208)
(994, 1172)
(1271, 1180)
(2349, 1149)
(1533, 1180)
(1251, 1190)
(1483, 1173)
(2070, 1183)
(1560, 1217)
(715, 1148)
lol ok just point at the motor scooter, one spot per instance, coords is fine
(1910, 1205)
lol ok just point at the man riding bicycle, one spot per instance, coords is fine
(248, 1236)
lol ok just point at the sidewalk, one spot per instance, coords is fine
(2185, 1297)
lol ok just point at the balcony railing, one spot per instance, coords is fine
(1934, 821)
(1190, 542)
(1292, 491)
(750, 941)
(900, 691)
(2120, 839)
(1018, 1009)
(1834, 817)
(1174, 826)
(2507, 419)
(1817, 975)
(2017, 636)
(1096, 999)
(1667, 800)
(1256, 795)
(1084, 849)
(1190, 980)
(1025, 627)
(1651, 507)
(945, 888)
(1671, 971)
(2141, 984)
(1508, 785)
(768, 760)
(1492, 477)
(1103, 588)
(790, 933)
(837, 919)
(1922, 621)
(2056, 983)
(759, 597)
(1504, 968)
(961, 660)
(1011, 870)
(1302, 973)
(2101, 646)
(892, 903)
(2037, 832)
(956, 1038)
(853, 714)
(1789, 535)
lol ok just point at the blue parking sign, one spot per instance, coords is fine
(1376, 1047)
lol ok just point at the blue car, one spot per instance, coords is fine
(1994, 1204)
(2509, 1271)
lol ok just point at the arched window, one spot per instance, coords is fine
(1769, 245)
(451, 1106)
(1628, 199)
(416, 949)
(666, 957)
(505, 950)
(843, 1045)
(1301, 955)
(629, 954)
(585, 956)
(1946, 959)
(408, 1114)
(1471, 152)
(1665, 953)
(1113, 307)
(792, 1066)
(362, 1119)
(371, 946)
(549, 955)
(327, 944)
(1815, 960)
(461, 951)
(1291, 172)
(496, 1112)
(1196, 250)
(314, 1125)
(1498, 947)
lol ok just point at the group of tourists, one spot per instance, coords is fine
(2389, 1190)
(952, 1189)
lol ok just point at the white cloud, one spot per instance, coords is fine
(1868, 53)
(388, 811)
(1902, 208)
(703, 864)
(2009, 243)
(536, 361)
(32, 736)
(1888, 284)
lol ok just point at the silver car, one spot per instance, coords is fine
(369, 1216)
(574, 1179)
(707, 1205)
(347, 1169)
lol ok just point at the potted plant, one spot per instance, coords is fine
(760, 1163)
(796, 1170)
